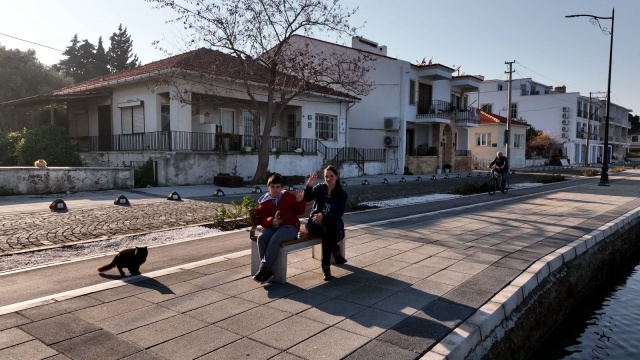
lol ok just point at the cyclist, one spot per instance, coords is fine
(501, 167)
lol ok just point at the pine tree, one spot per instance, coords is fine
(87, 52)
(119, 54)
(101, 62)
(70, 66)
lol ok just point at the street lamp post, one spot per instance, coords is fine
(595, 20)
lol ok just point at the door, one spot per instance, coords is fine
(409, 143)
(104, 128)
(424, 98)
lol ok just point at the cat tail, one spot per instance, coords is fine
(109, 266)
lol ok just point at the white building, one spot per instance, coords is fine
(419, 114)
(574, 120)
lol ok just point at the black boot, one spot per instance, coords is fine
(326, 271)
(338, 258)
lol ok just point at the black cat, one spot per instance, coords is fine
(128, 258)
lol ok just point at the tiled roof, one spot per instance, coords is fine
(489, 118)
(207, 61)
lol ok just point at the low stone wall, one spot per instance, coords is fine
(32, 180)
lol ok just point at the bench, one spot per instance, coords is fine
(303, 240)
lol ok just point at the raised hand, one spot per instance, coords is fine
(299, 195)
(312, 179)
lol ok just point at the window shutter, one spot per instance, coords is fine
(138, 119)
(489, 139)
(127, 125)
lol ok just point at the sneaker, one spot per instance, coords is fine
(339, 259)
(259, 276)
(268, 276)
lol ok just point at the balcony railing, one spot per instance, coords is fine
(434, 109)
(468, 115)
(189, 141)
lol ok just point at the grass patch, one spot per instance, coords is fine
(547, 179)
(617, 169)
(472, 188)
(591, 172)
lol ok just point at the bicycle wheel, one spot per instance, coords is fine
(506, 187)
(493, 185)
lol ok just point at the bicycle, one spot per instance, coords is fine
(495, 181)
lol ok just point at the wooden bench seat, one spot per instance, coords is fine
(303, 240)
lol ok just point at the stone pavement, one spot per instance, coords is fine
(428, 285)
(26, 224)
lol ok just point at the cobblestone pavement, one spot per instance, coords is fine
(43, 229)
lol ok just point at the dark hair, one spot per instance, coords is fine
(274, 179)
(334, 170)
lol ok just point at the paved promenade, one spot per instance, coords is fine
(423, 281)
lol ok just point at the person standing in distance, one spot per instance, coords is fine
(326, 215)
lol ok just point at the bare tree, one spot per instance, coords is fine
(258, 34)
(543, 142)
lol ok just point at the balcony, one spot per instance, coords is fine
(433, 112)
(466, 83)
(469, 117)
(434, 72)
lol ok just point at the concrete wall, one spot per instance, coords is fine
(31, 180)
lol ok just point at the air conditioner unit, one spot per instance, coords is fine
(564, 128)
(564, 135)
(391, 123)
(565, 122)
(391, 141)
(565, 115)
(565, 109)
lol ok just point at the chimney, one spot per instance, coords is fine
(561, 89)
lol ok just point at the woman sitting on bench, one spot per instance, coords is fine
(279, 210)
(326, 216)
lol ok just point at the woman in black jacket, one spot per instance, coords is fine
(326, 215)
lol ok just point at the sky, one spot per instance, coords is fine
(477, 35)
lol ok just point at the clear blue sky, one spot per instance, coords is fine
(478, 35)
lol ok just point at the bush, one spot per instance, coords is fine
(234, 211)
(472, 188)
(49, 142)
(143, 175)
(8, 145)
(547, 179)
(591, 172)
(617, 169)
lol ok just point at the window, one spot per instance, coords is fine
(412, 92)
(249, 122)
(165, 117)
(291, 125)
(499, 87)
(514, 110)
(326, 126)
(226, 120)
(487, 108)
(483, 139)
(132, 119)
(455, 101)
(518, 141)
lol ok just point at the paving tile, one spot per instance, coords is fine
(12, 320)
(97, 345)
(381, 350)
(195, 344)
(221, 310)
(449, 277)
(330, 344)
(335, 287)
(193, 300)
(415, 334)
(163, 330)
(306, 280)
(177, 277)
(285, 356)
(118, 293)
(467, 267)
(14, 336)
(242, 349)
(218, 267)
(367, 295)
(386, 266)
(288, 332)
(298, 302)
(135, 319)
(143, 355)
(253, 320)
(215, 279)
(237, 287)
(111, 309)
(370, 322)
(405, 302)
(269, 293)
(59, 308)
(59, 328)
(31, 350)
(332, 311)
(169, 292)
